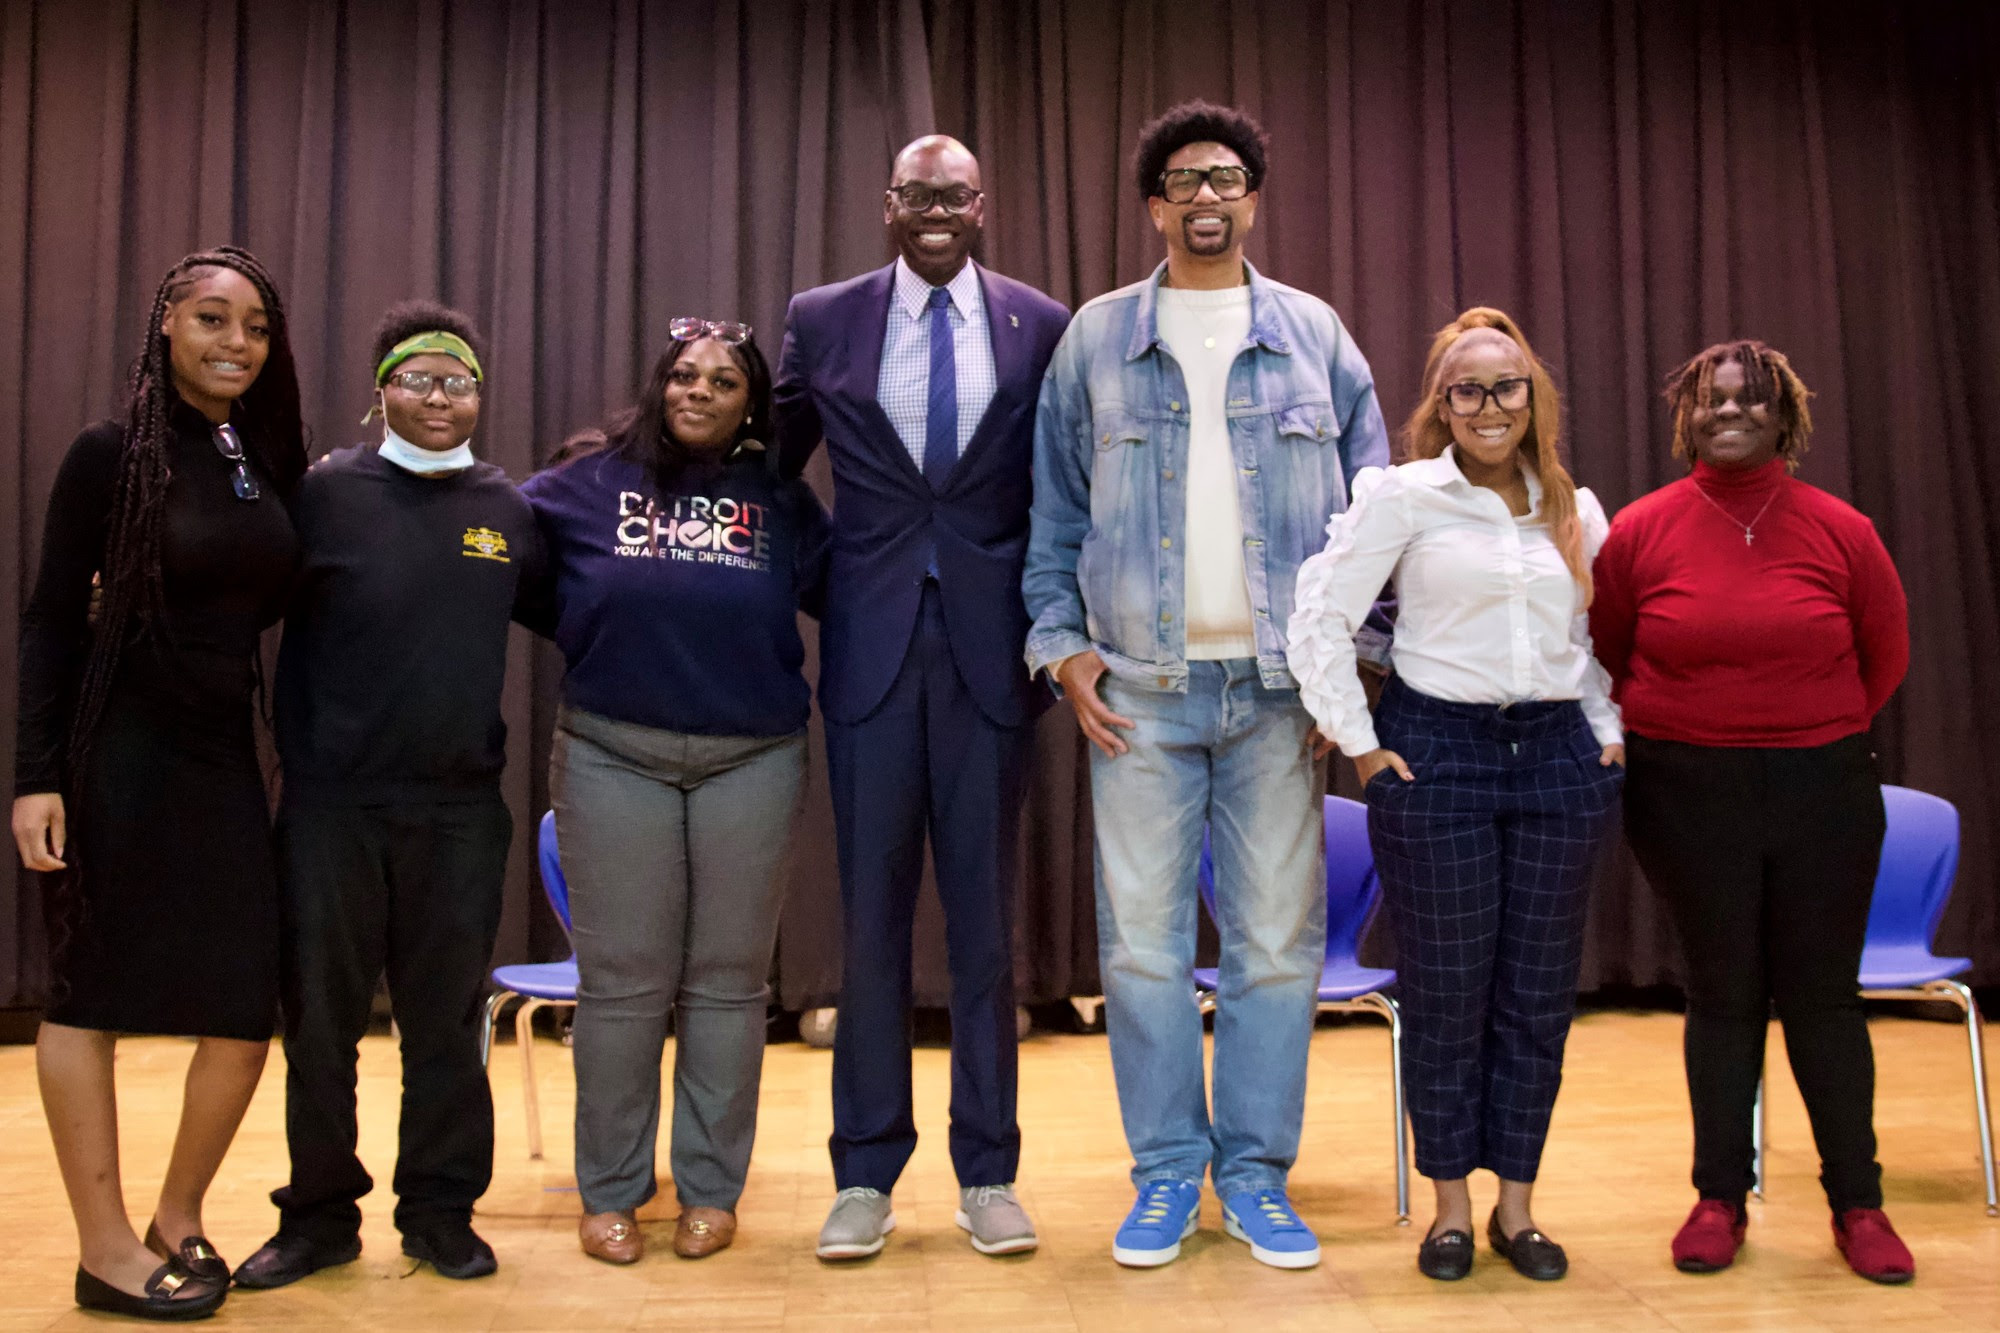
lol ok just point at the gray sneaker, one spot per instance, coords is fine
(998, 1223)
(857, 1226)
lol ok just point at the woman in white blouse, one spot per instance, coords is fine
(1492, 768)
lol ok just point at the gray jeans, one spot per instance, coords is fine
(674, 847)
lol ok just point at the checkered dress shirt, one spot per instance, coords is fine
(903, 387)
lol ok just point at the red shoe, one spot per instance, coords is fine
(1872, 1247)
(1707, 1242)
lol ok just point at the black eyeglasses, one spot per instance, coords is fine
(231, 448)
(921, 198)
(1182, 184)
(1468, 399)
(686, 328)
(421, 382)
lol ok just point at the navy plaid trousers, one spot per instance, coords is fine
(1485, 862)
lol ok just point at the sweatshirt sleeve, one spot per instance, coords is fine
(1614, 606)
(1881, 615)
(55, 624)
(1605, 724)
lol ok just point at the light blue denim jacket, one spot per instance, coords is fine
(1105, 546)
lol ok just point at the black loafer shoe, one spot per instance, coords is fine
(195, 1253)
(1532, 1254)
(1447, 1256)
(455, 1251)
(284, 1259)
(172, 1293)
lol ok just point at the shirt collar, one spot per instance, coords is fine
(1266, 328)
(1443, 471)
(914, 294)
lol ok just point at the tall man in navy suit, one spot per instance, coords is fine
(922, 378)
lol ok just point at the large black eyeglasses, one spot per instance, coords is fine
(1182, 184)
(230, 447)
(921, 198)
(1468, 399)
(687, 328)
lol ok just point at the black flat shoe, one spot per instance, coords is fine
(284, 1259)
(1532, 1254)
(1447, 1256)
(195, 1253)
(454, 1251)
(163, 1299)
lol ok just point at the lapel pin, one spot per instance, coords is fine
(1014, 321)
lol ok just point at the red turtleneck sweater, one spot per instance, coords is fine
(1792, 640)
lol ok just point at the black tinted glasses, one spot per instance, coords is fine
(1182, 184)
(1468, 399)
(230, 447)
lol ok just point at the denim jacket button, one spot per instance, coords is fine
(1162, 680)
(1174, 406)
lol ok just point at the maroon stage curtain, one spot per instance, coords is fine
(1632, 180)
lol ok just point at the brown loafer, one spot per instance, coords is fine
(612, 1237)
(700, 1232)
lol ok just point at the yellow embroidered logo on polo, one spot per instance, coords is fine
(485, 544)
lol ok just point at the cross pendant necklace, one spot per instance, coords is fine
(1749, 534)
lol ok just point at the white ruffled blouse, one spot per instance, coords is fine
(1486, 610)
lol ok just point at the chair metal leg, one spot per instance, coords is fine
(1758, 1142)
(1394, 1013)
(494, 1004)
(1975, 1041)
(524, 1037)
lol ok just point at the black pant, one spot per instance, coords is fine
(414, 889)
(1767, 858)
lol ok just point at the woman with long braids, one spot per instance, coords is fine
(138, 788)
(1491, 770)
(1754, 626)
(681, 561)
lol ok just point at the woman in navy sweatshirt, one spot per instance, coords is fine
(680, 563)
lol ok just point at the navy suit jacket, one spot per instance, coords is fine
(886, 518)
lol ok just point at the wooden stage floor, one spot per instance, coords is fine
(1613, 1190)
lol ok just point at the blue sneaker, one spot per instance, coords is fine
(1164, 1215)
(1277, 1237)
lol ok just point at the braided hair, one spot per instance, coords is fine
(134, 600)
(1767, 378)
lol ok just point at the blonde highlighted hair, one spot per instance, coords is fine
(1426, 436)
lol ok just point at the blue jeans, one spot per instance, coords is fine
(1230, 755)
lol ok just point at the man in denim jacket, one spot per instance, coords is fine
(1196, 431)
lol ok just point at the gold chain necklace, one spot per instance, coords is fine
(1748, 535)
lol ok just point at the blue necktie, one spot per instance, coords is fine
(941, 413)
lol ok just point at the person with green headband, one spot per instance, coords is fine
(392, 834)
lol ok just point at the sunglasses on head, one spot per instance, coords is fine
(687, 328)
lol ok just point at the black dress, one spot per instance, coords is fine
(172, 919)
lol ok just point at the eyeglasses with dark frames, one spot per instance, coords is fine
(421, 382)
(921, 198)
(687, 328)
(231, 447)
(1182, 184)
(1467, 398)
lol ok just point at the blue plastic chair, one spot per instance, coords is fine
(536, 985)
(1352, 894)
(1919, 863)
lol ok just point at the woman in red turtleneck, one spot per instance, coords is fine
(1753, 625)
